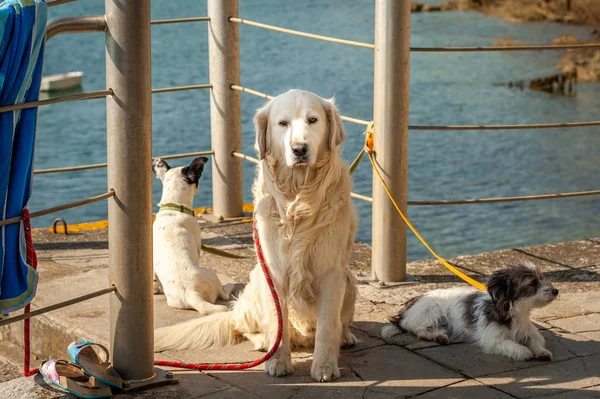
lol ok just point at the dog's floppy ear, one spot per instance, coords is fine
(191, 174)
(261, 125)
(160, 167)
(500, 290)
(336, 132)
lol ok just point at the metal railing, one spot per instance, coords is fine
(128, 110)
(59, 305)
(415, 49)
(392, 32)
(104, 165)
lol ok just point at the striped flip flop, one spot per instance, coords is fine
(95, 362)
(72, 379)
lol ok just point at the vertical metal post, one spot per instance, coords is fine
(225, 109)
(129, 153)
(390, 116)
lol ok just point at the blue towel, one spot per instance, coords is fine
(22, 28)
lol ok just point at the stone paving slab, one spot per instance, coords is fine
(588, 393)
(574, 254)
(468, 389)
(11, 356)
(395, 370)
(470, 360)
(581, 344)
(587, 323)
(30, 388)
(191, 384)
(549, 379)
(592, 335)
(298, 384)
(570, 303)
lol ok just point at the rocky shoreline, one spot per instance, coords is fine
(582, 12)
(585, 63)
(582, 64)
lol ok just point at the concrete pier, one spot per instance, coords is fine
(405, 367)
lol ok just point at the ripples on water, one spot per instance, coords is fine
(447, 88)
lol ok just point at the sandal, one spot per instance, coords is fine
(72, 378)
(83, 353)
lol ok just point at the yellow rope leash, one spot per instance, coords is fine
(369, 150)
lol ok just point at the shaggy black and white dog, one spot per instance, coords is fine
(497, 320)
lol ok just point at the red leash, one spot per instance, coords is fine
(32, 261)
(247, 365)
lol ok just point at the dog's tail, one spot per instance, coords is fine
(389, 330)
(204, 332)
(394, 326)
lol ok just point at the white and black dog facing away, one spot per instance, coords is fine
(176, 243)
(497, 320)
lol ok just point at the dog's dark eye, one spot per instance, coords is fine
(534, 283)
(312, 120)
(283, 123)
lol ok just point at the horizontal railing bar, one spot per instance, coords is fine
(90, 95)
(59, 208)
(181, 88)
(64, 25)
(460, 202)
(361, 197)
(491, 200)
(354, 120)
(504, 48)
(507, 127)
(179, 20)
(69, 169)
(74, 204)
(416, 49)
(449, 127)
(246, 157)
(253, 92)
(303, 34)
(56, 306)
(103, 165)
(268, 97)
(507, 199)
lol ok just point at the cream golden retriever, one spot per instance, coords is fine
(307, 224)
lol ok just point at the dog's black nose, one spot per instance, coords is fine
(299, 149)
(554, 292)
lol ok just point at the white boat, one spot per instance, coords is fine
(62, 81)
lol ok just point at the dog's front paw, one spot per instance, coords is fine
(324, 372)
(348, 339)
(157, 287)
(442, 339)
(543, 354)
(522, 355)
(279, 366)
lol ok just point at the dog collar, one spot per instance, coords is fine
(176, 207)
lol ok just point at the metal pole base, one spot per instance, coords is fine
(410, 279)
(161, 378)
